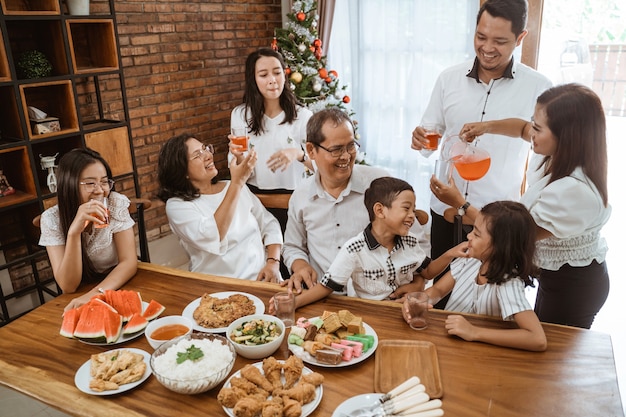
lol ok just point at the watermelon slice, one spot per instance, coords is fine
(125, 302)
(136, 323)
(91, 324)
(153, 310)
(113, 326)
(70, 319)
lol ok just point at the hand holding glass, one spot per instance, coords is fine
(240, 137)
(417, 303)
(432, 132)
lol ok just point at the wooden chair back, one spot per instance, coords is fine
(280, 201)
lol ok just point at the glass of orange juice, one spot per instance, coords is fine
(240, 137)
(433, 133)
(106, 217)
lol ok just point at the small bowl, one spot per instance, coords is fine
(209, 379)
(164, 321)
(256, 351)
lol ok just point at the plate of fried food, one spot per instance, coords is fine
(212, 313)
(333, 340)
(113, 372)
(272, 387)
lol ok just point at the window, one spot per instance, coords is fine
(390, 53)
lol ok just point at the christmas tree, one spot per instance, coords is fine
(311, 81)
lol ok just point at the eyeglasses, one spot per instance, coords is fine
(90, 186)
(337, 151)
(197, 154)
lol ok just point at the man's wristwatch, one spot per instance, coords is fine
(461, 210)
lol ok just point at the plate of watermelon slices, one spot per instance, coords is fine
(111, 318)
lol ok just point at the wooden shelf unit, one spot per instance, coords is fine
(30, 7)
(85, 91)
(92, 45)
(5, 72)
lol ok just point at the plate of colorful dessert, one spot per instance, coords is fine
(332, 340)
(289, 380)
(212, 313)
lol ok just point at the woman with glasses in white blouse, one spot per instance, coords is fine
(222, 225)
(89, 234)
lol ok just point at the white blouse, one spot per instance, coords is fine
(570, 208)
(101, 249)
(503, 300)
(241, 253)
(277, 136)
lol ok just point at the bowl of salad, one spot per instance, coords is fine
(256, 336)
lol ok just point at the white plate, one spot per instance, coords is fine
(83, 375)
(354, 403)
(306, 408)
(191, 307)
(124, 337)
(310, 359)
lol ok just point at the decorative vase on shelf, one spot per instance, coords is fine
(78, 7)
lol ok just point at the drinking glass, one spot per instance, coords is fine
(240, 137)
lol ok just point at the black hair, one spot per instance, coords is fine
(316, 122)
(71, 166)
(384, 190)
(513, 234)
(172, 170)
(253, 99)
(515, 11)
(575, 117)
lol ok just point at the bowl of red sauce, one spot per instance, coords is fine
(167, 328)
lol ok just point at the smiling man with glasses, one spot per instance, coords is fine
(327, 209)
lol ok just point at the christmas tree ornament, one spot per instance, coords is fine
(292, 86)
(301, 16)
(314, 24)
(328, 80)
(302, 47)
(287, 71)
(296, 77)
(317, 87)
(291, 36)
(322, 72)
(274, 44)
(318, 53)
(317, 43)
(346, 99)
(333, 73)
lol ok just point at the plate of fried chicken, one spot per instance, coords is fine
(212, 313)
(272, 387)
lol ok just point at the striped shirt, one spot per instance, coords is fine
(504, 300)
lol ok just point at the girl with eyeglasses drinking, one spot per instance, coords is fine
(87, 240)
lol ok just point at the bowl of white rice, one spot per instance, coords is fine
(193, 363)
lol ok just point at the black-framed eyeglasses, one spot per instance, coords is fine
(337, 151)
(90, 185)
(197, 154)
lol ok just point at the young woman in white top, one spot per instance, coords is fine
(276, 123)
(223, 226)
(491, 280)
(78, 250)
(567, 197)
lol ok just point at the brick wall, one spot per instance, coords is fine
(184, 70)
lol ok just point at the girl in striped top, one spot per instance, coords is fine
(491, 280)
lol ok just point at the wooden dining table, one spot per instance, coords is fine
(575, 376)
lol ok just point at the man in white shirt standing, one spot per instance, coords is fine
(492, 86)
(327, 209)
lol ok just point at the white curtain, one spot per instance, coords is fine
(390, 53)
